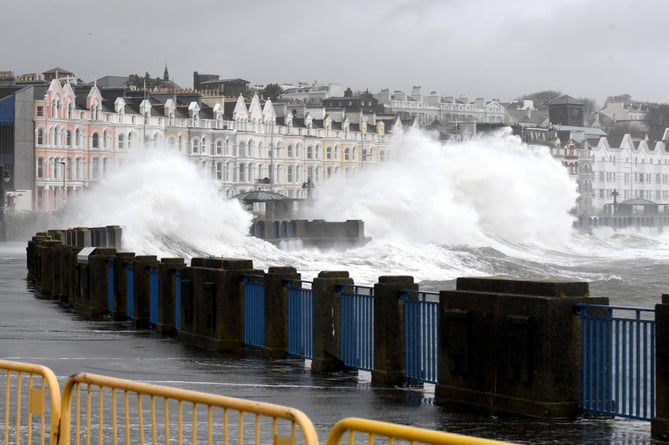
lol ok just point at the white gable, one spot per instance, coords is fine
(240, 112)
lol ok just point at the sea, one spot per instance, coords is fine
(491, 206)
(434, 211)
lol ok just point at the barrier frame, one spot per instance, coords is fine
(393, 431)
(36, 398)
(257, 409)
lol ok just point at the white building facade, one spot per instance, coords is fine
(632, 171)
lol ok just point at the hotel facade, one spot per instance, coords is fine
(84, 134)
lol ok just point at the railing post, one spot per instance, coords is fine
(167, 292)
(660, 423)
(142, 283)
(68, 266)
(276, 311)
(114, 237)
(389, 329)
(82, 237)
(212, 303)
(46, 250)
(327, 321)
(512, 346)
(97, 303)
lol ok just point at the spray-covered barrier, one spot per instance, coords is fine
(512, 346)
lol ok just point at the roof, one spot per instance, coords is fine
(533, 116)
(590, 131)
(260, 196)
(637, 202)
(565, 99)
(58, 70)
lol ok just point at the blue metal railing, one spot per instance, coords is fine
(300, 318)
(130, 289)
(153, 294)
(357, 326)
(421, 331)
(110, 285)
(254, 310)
(618, 361)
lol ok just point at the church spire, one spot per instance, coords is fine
(166, 74)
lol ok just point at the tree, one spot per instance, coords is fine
(272, 91)
(589, 105)
(135, 80)
(541, 99)
(658, 120)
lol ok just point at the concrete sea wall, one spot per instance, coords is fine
(504, 345)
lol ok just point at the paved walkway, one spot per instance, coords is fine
(41, 331)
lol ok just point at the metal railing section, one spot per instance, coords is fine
(300, 318)
(374, 431)
(31, 394)
(618, 361)
(357, 326)
(130, 289)
(153, 294)
(99, 409)
(254, 310)
(421, 334)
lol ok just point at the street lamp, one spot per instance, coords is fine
(4, 180)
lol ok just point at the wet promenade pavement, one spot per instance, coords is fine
(41, 331)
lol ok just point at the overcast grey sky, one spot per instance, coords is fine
(489, 48)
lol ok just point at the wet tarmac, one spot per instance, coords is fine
(41, 331)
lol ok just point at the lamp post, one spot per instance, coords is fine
(308, 186)
(615, 201)
(271, 158)
(4, 179)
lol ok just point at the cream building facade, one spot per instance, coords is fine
(79, 141)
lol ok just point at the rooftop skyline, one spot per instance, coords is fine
(584, 48)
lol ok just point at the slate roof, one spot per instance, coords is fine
(565, 99)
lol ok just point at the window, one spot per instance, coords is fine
(40, 136)
(290, 173)
(310, 154)
(219, 148)
(121, 141)
(95, 170)
(219, 170)
(289, 151)
(195, 145)
(95, 141)
(68, 138)
(40, 111)
(347, 154)
(40, 167)
(328, 153)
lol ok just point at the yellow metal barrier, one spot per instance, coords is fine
(28, 391)
(108, 410)
(393, 432)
